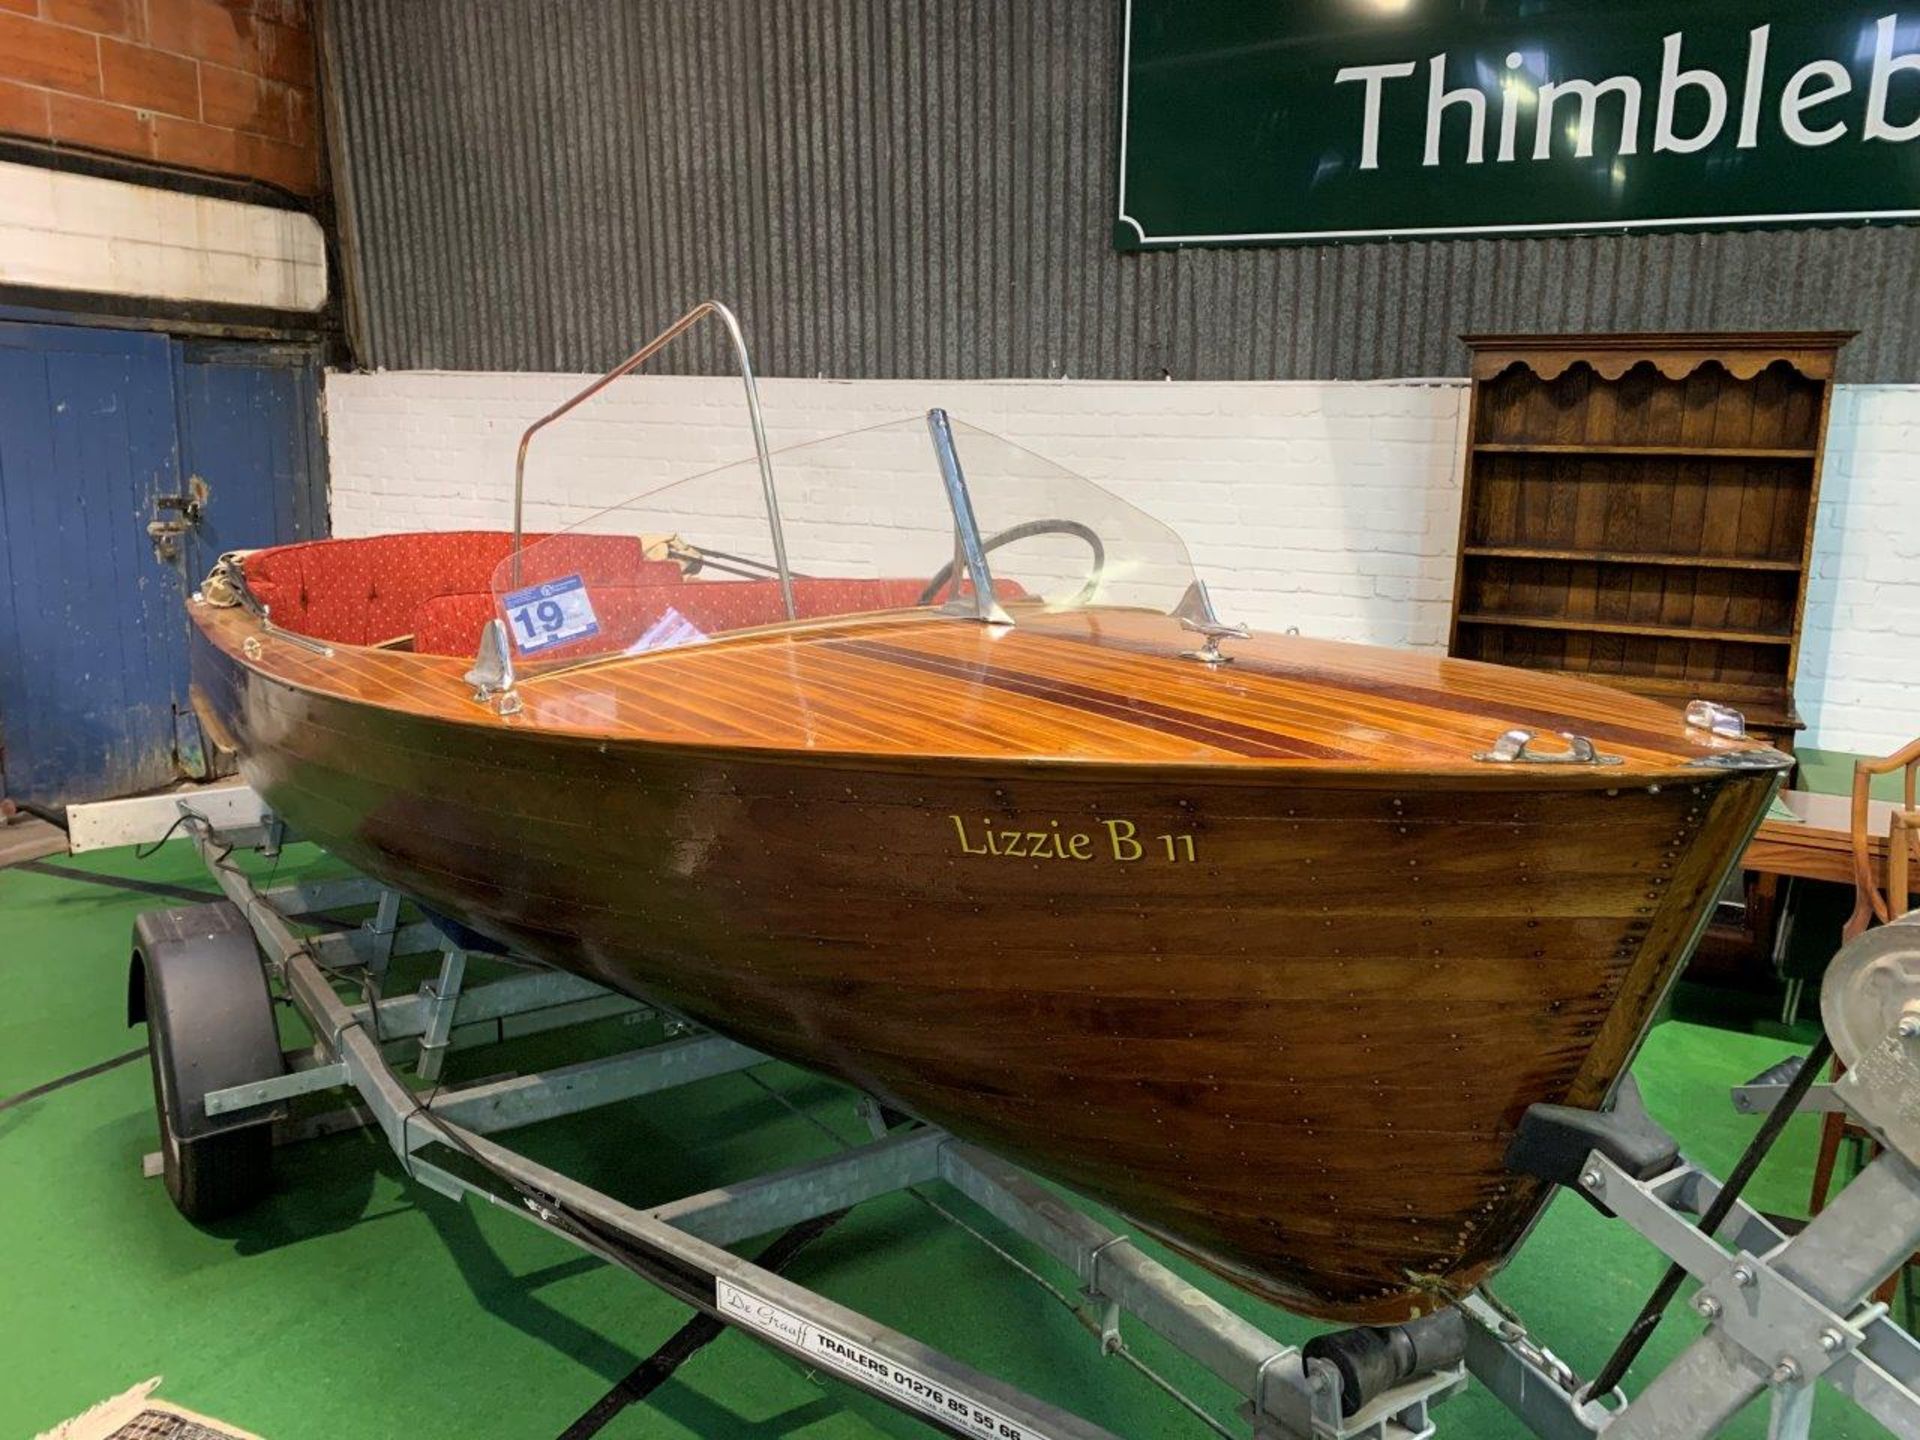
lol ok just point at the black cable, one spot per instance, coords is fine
(196, 823)
(688, 1340)
(143, 852)
(54, 817)
(116, 882)
(1027, 531)
(1650, 1314)
(370, 994)
(65, 1080)
(647, 1376)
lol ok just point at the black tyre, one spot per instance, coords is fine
(217, 1175)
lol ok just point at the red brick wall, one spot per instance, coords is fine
(225, 86)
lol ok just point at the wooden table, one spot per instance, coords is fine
(1819, 846)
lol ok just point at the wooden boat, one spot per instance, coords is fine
(1270, 955)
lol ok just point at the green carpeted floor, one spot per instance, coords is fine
(355, 1304)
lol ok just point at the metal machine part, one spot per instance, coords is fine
(1024, 531)
(1760, 757)
(491, 675)
(1783, 1312)
(1372, 1359)
(1195, 612)
(226, 585)
(1716, 719)
(1763, 1091)
(1872, 988)
(969, 553)
(1515, 747)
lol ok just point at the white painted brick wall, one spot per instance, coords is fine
(1333, 507)
(82, 232)
(1860, 655)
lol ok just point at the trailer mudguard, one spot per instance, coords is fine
(196, 976)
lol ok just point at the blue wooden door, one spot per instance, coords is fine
(101, 432)
(252, 458)
(250, 432)
(90, 638)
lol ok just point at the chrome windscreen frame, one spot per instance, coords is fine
(968, 549)
(633, 362)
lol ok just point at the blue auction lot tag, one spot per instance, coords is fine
(549, 614)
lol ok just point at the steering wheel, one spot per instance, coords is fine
(1027, 532)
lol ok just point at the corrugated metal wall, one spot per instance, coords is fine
(914, 188)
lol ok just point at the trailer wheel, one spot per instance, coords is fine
(213, 1176)
(196, 979)
(216, 1175)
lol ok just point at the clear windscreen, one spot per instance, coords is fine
(1061, 541)
(868, 530)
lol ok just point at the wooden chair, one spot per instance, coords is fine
(1871, 901)
(1874, 903)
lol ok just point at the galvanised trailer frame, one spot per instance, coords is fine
(1781, 1312)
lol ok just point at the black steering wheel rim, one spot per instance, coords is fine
(1026, 531)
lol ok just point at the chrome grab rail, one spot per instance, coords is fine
(640, 357)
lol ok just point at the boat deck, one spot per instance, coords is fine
(1082, 686)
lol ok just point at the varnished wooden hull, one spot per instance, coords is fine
(1299, 1054)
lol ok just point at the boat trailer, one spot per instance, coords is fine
(1779, 1313)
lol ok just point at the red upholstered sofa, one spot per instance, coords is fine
(438, 588)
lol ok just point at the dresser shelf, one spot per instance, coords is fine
(1682, 452)
(1632, 557)
(1625, 627)
(1697, 508)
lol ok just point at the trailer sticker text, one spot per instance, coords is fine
(894, 1381)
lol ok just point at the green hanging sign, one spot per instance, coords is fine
(1304, 121)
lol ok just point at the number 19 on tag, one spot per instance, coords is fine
(553, 613)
